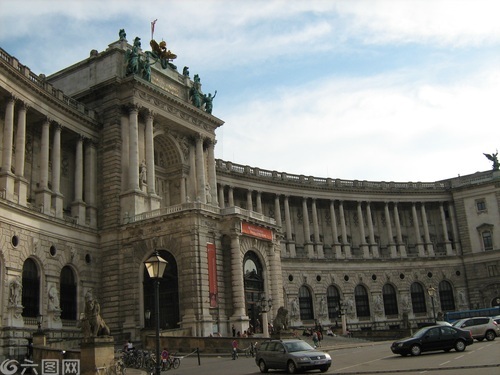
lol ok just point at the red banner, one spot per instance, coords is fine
(212, 274)
(256, 231)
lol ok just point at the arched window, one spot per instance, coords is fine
(31, 289)
(305, 304)
(446, 296)
(333, 302)
(390, 300)
(68, 294)
(418, 298)
(362, 304)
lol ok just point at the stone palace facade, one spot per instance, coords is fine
(102, 165)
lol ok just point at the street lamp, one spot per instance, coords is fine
(343, 312)
(432, 293)
(39, 321)
(155, 266)
(265, 307)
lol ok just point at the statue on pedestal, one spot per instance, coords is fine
(92, 323)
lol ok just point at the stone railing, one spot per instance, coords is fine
(245, 170)
(47, 87)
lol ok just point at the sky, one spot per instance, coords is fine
(376, 90)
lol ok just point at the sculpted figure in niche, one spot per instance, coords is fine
(53, 299)
(15, 290)
(142, 173)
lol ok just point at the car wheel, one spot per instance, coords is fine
(480, 339)
(415, 350)
(460, 346)
(262, 366)
(291, 368)
(324, 368)
(490, 336)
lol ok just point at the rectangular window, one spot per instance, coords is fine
(492, 271)
(487, 240)
(481, 205)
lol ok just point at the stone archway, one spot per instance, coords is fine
(169, 294)
(254, 288)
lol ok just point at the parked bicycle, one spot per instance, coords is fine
(171, 362)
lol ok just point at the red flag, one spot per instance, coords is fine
(153, 28)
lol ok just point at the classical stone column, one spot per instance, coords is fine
(78, 205)
(43, 195)
(401, 245)
(317, 239)
(183, 189)
(200, 171)
(212, 176)
(91, 181)
(416, 228)
(427, 237)
(259, 202)
(371, 233)
(336, 245)
(230, 196)
(275, 275)
(221, 196)
(249, 200)
(454, 227)
(133, 167)
(307, 231)
(289, 236)
(57, 197)
(238, 287)
(345, 244)
(150, 152)
(192, 182)
(277, 211)
(391, 245)
(21, 184)
(125, 155)
(363, 245)
(8, 133)
(447, 243)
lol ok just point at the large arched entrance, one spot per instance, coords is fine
(254, 288)
(169, 294)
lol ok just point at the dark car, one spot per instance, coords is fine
(292, 356)
(433, 338)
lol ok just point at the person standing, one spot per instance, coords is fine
(234, 349)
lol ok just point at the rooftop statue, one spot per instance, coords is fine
(160, 52)
(207, 99)
(494, 159)
(122, 34)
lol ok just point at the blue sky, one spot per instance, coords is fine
(394, 90)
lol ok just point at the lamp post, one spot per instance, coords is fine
(39, 321)
(147, 316)
(265, 307)
(343, 309)
(156, 266)
(432, 293)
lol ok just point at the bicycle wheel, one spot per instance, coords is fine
(176, 363)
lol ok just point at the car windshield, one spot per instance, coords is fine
(298, 346)
(458, 323)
